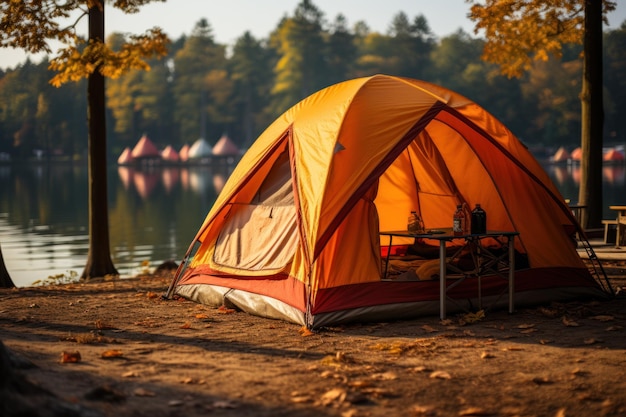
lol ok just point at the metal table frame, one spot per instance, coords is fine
(473, 241)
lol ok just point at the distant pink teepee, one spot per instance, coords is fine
(561, 155)
(225, 146)
(169, 154)
(126, 157)
(613, 155)
(183, 154)
(145, 149)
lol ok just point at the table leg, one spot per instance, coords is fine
(511, 243)
(387, 257)
(442, 279)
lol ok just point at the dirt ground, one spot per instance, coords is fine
(115, 348)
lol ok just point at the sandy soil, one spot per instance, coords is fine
(118, 349)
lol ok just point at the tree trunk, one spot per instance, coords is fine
(592, 112)
(5, 278)
(99, 262)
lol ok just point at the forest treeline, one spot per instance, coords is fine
(206, 89)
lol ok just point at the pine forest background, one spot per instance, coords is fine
(206, 89)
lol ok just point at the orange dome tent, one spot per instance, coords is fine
(294, 233)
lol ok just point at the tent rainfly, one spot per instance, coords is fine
(295, 232)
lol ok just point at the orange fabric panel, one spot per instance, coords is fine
(352, 254)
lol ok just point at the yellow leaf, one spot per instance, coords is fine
(70, 357)
(112, 353)
(440, 375)
(475, 411)
(305, 331)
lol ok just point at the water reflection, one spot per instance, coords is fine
(567, 179)
(153, 215)
(612, 175)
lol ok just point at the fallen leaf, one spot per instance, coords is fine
(603, 318)
(569, 323)
(475, 411)
(152, 295)
(202, 316)
(472, 317)
(304, 331)
(525, 326)
(360, 383)
(130, 374)
(175, 403)
(429, 329)
(385, 376)
(613, 328)
(446, 322)
(70, 357)
(335, 395)
(546, 341)
(440, 375)
(541, 380)
(560, 413)
(424, 410)
(224, 404)
(377, 392)
(186, 325)
(112, 353)
(486, 355)
(225, 310)
(299, 399)
(141, 392)
(103, 325)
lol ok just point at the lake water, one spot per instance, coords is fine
(153, 214)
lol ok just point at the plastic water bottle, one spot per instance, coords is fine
(479, 220)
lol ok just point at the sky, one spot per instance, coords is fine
(230, 19)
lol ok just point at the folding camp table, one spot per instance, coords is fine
(485, 261)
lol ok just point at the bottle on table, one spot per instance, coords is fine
(415, 224)
(459, 221)
(479, 220)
